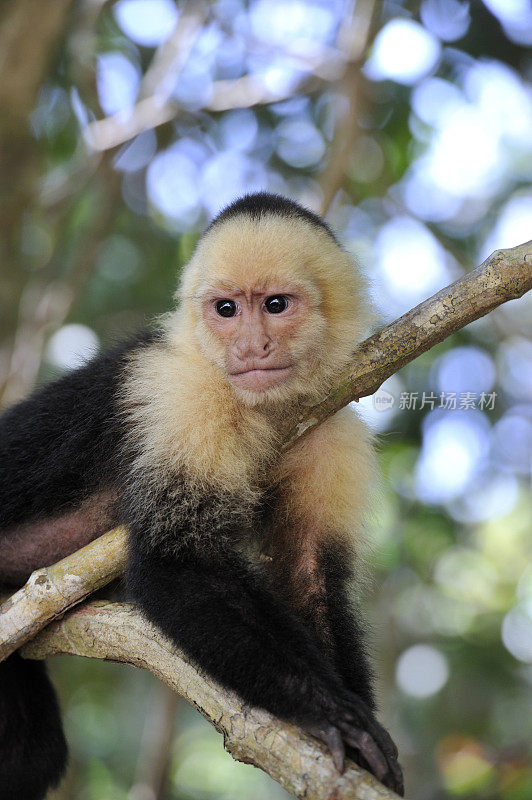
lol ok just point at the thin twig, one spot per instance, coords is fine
(352, 40)
(154, 106)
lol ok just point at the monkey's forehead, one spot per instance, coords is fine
(244, 251)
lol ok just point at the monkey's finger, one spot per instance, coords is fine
(382, 737)
(367, 747)
(336, 746)
(330, 736)
(375, 731)
(391, 780)
(364, 714)
(399, 784)
(394, 784)
(394, 776)
(397, 774)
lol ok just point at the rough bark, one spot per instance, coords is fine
(505, 275)
(117, 632)
(52, 590)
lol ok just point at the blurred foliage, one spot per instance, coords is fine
(434, 175)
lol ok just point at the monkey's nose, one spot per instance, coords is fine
(256, 347)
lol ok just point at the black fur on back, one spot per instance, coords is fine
(260, 203)
(69, 440)
(60, 444)
(33, 751)
(56, 447)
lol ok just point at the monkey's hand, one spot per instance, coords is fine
(224, 617)
(348, 724)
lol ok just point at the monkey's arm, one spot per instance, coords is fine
(58, 464)
(323, 490)
(219, 610)
(346, 630)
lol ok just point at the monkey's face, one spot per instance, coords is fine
(258, 329)
(276, 304)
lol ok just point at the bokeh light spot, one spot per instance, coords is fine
(455, 445)
(117, 80)
(71, 346)
(421, 671)
(517, 631)
(404, 51)
(146, 22)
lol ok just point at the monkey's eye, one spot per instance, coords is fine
(226, 308)
(276, 304)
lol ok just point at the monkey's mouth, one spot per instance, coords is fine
(259, 380)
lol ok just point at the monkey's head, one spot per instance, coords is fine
(273, 300)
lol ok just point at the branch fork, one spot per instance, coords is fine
(117, 632)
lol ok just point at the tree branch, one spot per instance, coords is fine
(50, 591)
(154, 106)
(353, 37)
(121, 634)
(505, 275)
(117, 632)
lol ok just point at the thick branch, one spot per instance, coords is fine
(117, 632)
(120, 634)
(505, 275)
(52, 590)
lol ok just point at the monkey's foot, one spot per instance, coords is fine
(351, 724)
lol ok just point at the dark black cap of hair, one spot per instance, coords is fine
(262, 203)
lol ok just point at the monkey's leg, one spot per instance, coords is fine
(33, 751)
(346, 634)
(345, 631)
(313, 577)
(221, 614)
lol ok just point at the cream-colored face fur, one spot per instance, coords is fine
(268, 357)
(188, 417)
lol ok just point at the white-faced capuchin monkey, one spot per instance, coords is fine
(240, 553)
